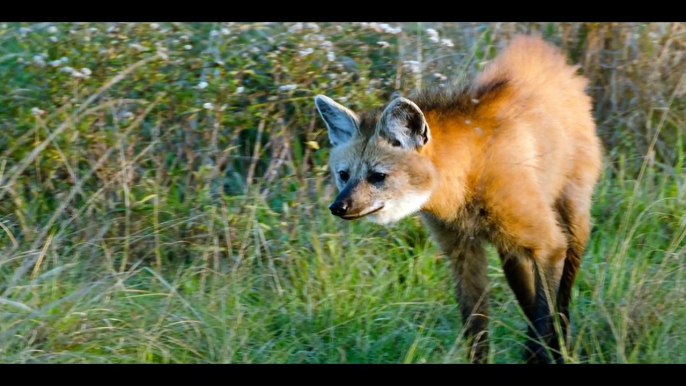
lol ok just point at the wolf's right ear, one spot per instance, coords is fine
(402, 122)
(341, 122)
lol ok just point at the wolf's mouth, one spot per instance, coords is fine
(354, 216)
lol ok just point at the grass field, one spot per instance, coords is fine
(164, 193)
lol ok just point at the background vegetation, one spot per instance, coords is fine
(164, 192)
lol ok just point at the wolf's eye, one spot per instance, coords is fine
(377, 178)
(344, 175)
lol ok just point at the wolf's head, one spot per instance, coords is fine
(376, 160)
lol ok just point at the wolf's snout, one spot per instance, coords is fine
(339, 208)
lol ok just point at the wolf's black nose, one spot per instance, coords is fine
(339, 208)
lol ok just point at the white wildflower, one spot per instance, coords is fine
(313, 26)
(37, 112)
(327, 45)
(85, 38)
(127, 115)
(433, 35)
(67, 69)
(240, 89)
(83, 73)
(331, 56)
(383, 44)
(52, 29)
(24, 30)
(139, 47)
(225, 31)
(447, 43)
(413, 65)
(188, 47)
(375, 27)
(39, 61)
(154, 26)
(440, 76)
(64, 59)
(306, 51)
(202, 85)
(214, 33)
(390, 30)
(288, 87)
(185, 38)
(343, 99)
(208, 106)
(53, 39)
(254, 50)
(55, 63)
(297, 27)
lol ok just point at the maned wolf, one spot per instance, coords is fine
(511, 159)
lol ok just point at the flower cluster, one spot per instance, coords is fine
(381, 28)
(298, 27)
(413, 65)
(433, 36)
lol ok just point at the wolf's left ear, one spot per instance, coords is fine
(403, 124)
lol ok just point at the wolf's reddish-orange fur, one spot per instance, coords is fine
(530, 157)
(512, 160)
(521, 149)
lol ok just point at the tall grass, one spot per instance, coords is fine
(163, 194)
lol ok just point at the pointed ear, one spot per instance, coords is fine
(341, 122)
(403, 124)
